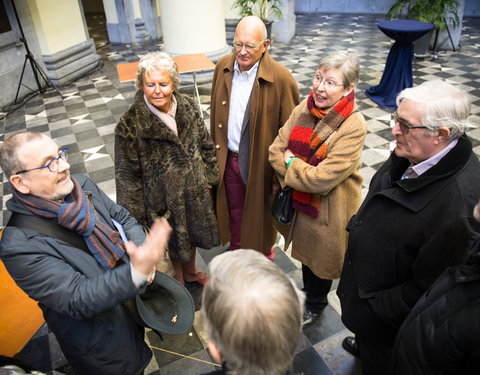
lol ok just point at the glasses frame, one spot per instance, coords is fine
(405, 127)
(327, 83)
(62, 155)
(249, 47)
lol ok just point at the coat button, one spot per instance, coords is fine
(220, 126)
(217, 147)
(224, 102)
(358, 223)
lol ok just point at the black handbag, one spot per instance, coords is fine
(282, 209)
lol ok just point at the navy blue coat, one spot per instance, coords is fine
(81, 302)
(405, 234)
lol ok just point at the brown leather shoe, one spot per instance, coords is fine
(351, 346)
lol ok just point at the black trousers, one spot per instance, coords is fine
(316, 290)
(375, 358)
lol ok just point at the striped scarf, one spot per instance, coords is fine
(77, 214)
(308, 144)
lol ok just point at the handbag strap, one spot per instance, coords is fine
(49, 228)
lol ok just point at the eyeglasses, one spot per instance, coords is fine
(405, 127)
(249, 47)
(52, 165)
(327, 83)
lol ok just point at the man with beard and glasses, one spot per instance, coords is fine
(80, 290)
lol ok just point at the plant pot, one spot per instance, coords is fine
(421, 45)
(268, 25)
(443, 40)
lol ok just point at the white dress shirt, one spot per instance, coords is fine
(242, 84)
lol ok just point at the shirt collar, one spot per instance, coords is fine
(253, 69)
(425, 165)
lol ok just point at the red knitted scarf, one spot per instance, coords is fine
(309, 144)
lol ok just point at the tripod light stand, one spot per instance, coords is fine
(36, 69)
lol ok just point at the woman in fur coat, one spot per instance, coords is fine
(165, 164)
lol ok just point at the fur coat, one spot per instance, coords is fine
(160, 174)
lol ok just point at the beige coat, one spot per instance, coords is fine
(321, 243)
(275, 95)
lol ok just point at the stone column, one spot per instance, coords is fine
(150, 11)
(283, 30)
(132, 21)
(67, 50)
(194, 27)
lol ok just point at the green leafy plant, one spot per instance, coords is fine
(436, 12)
(259, 8)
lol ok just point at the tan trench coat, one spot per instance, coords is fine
(321, 243)
(275, 94)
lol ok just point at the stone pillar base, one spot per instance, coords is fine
(70, 64)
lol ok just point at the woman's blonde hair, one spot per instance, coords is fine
(349, 65)
(157, 61)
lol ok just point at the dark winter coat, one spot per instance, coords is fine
(405, 234)
(274, 96)
(81, 302)
(160, 174)
(441, 335)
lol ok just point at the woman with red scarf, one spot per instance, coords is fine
(317, 153)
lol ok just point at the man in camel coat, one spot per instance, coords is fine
(252, 97)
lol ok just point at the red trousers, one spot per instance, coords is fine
(236, 190)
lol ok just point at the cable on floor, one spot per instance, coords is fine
(184, 356)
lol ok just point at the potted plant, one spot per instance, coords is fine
(260, 8)
(437, 12)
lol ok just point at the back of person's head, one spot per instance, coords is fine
(444, 105)
(9, 160)
(157, 61)
(253, 313)
(348, 64)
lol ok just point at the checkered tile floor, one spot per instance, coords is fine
(84, 116)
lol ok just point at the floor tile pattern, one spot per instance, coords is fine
(83, 115)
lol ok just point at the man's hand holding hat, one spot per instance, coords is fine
(144, 258)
